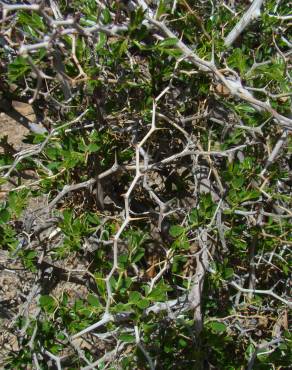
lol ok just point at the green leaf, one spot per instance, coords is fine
(65, 299)
(245, 108)
(176, 230)
(238, 60)
(183, 343)
(228, 273)
(135, 297)
(2, 180)
(183, 243)
(136, 19)
(172, 52)
(123, 47)
(4, 216)
(217, 327)
(194, 217)
(168, 42)
(93, 300)
(143, 303)
(30, 255)
(138, 255)
(120, 307)
(158, 293)
(93, 148)
(17, 202)
(237, 182)
(127, 338)
(106, 16)
(249, 351)
(18, 68)
(162, 8)
(47, 303)
(93, 218)
(67, 217)
(101, 41)
(33, 20)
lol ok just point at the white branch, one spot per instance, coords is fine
(260, 291)
(252, 13)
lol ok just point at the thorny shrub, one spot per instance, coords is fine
(160, 149)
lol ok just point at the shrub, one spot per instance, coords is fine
(153, 231)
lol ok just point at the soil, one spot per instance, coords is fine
(12, 129)
(15, 133)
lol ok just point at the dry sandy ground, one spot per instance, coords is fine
(14, 130)
(15, 133)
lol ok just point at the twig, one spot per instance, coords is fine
(69, 188)
(105, 319)
(259, 291)
(108, 357)
(275, 151)
(252, 13)
(57, 359)
(142, 349)
(195, 295)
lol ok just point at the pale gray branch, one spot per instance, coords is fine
(253, 12)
